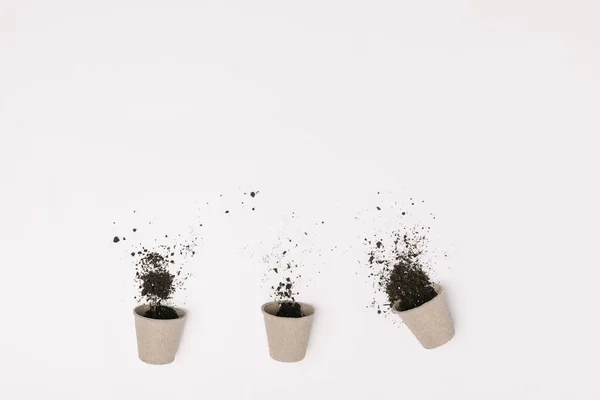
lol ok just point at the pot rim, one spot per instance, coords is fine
(436, 286)
(180, 312)
(310, 308)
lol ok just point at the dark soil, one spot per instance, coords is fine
(399, 269)
(161, 312)
(290, 309)
(157, 284)
(159, 274)
(156, 281)
(409, 283)
(159, 269)
(286, 274)
(285, 288)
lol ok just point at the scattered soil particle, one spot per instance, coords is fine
(284, 275)
(399, 271)
(158, 277)
(116, 239)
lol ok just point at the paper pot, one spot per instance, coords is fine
(431, 322)
(287, 337)
(157, 339)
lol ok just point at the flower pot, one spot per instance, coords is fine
(431, 322)
(157, 339)
(287, 337)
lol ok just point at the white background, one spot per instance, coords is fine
(486, 110)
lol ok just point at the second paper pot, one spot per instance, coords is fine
(287, 337)
(431, 322)
(157, 339)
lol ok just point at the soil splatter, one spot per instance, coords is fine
(159, 272)
(230, 204)
(284, 291)
(398, 258)
(398, 270)
(291, 263)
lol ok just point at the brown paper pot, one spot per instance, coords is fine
(157, 339)
(287, 337)
(431, 322)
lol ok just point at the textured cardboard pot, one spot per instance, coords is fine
(431, 322)
(287, 337)
(157, 339)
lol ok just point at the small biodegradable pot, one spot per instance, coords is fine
(157, 339)
(431, 322)
(287, 337)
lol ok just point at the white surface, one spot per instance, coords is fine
(487, 110)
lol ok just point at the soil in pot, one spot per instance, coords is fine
(286, 274)
(159, 274)
(400, 272)
(409, 283)
(290, 309)
(161, 312)
(284, 292)
(157, 283)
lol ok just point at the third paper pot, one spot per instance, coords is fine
(431, 322)
(157, 339)
(287, 337)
